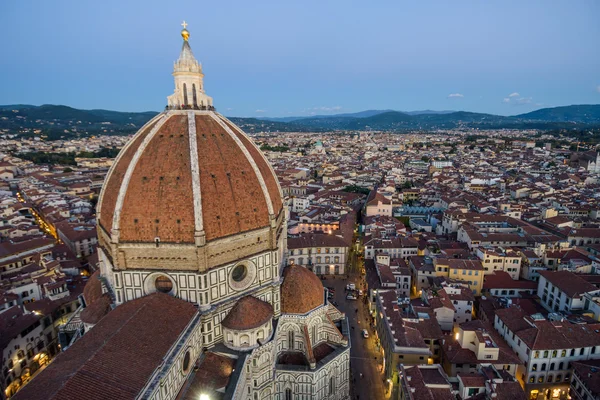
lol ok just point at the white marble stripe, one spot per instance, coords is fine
(259, 151)
(261, 180)
(118, 158)
(131, 168)
(198, 222)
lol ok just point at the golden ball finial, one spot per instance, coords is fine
(184, 32)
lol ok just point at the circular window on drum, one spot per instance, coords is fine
(239, 273)
(242, 275)
(163, 284)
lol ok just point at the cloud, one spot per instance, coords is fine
(229, 109)
(260, 111)
(455, 96)
(524, 100)
(516, 99)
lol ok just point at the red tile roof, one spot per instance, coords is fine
(115, 359)
(159, 200)
(248, 313)
(568, 282)
(301, 291)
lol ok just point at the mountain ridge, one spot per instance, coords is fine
(63, 121)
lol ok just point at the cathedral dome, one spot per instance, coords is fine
(248, 313)
(301, 291)
(189, 175)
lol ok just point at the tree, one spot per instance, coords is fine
(67, 170)
(356, 189)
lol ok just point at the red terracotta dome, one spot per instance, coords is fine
(187, 174)
(248, 313)
(301, 291)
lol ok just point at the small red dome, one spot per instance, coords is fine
(248, 313)
(301, 291)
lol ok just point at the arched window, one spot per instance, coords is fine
(194, 94)
(288, 394)
(244, 340)
(185, 99)
(331, 385)
(291, 340)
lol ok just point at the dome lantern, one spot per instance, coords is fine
(189, 80)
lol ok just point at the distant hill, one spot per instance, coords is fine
(56, 121)
(586, 114)
(428, 112)
(360, 114)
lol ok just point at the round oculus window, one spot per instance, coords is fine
(239, 273)
(185, 366)
(163, 284)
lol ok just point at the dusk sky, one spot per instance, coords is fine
(289, 58)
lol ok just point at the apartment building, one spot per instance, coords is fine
(500, 259)
(564, 291)
(322, 253)
(546, 348)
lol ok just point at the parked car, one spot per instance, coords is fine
(365, 333)
(329, 295)
(332, 290)
(350, 296)
(351, 286)
(334, 303)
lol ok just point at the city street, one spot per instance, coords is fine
(364, 356)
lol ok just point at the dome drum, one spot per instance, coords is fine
(248, 322)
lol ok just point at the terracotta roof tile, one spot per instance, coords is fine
(111, 188)
(159, 198)
(248, 313)
(115, 359)
(301, 291)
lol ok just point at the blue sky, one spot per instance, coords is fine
(283, 58)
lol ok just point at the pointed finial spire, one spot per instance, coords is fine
(184, 32)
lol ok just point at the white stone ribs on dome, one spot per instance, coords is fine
(121, 154)
(131, 168)
(198, 222)
(220, 117)
(259, 176)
